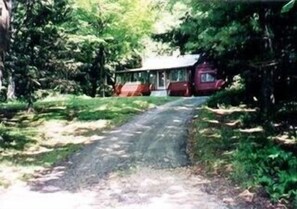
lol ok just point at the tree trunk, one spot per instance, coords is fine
(5, 13)
(94, 76)
(268, 99)
(94, 87)
(97, 72)
(11, 88)
(1, 72)
(103, 85)
(102, 69)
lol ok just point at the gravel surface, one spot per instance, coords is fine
(142, 164)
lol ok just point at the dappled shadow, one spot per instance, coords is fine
(88, 114)
(44, 157)
(12, 119)
(155, 139)
(13, 116)
(87, 132)
(150, 188)
(54, 114)
(10, 112)
(71, 174)
(87, 166)
(60, 126)
(15, 141)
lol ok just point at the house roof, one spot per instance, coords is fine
(167, 62)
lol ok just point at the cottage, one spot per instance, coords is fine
(172, 75)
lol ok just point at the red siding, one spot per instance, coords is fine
(179, 88)
(206, 87)
(134, 89)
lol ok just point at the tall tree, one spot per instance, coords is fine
(72, 46)
(5, 16)
(253, 39)
(36, 44)
(108, 34)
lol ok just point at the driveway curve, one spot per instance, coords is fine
(142, 164)
(154, 139)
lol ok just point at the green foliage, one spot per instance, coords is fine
(73, 46)
(251, 159)
(251, 38)
(268, 165)
(233, 95)
(287, 7)
(212, 146)
(34, 60)
(109, 34)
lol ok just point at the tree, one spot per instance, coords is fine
(36, 44)
(253, 39)
(5, 10)
(73, 46)
(109, 33)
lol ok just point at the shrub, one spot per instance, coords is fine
(254, 159)
(227, 97)
(233, 95)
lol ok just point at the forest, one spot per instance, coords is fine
(254, 46)
(74, 47)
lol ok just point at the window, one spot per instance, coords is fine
(141, 77)
(122, 78)
(153, 78)
(178, 75)
(207, 77)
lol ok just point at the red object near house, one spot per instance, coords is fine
(117, 89)
(179, 88)
(205, 81)
(134, 89)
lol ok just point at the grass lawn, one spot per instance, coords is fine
(58, 127)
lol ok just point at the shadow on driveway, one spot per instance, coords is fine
(155, 139)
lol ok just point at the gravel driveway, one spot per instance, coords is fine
(142, 164)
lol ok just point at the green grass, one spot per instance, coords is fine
(229, 142)
(213, 143)
(256, 152)
(57, 127)
(96, 109)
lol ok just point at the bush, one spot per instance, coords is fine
(231, 96)
(228, 97)
(269, 166)
(252, 160)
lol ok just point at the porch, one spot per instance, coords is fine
(169, 82)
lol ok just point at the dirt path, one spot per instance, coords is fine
(141, 164)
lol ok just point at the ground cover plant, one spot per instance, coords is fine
(233, 142)
(57, 127)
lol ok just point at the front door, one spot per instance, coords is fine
(161, 78)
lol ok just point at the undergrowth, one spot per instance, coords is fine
(230, 142)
